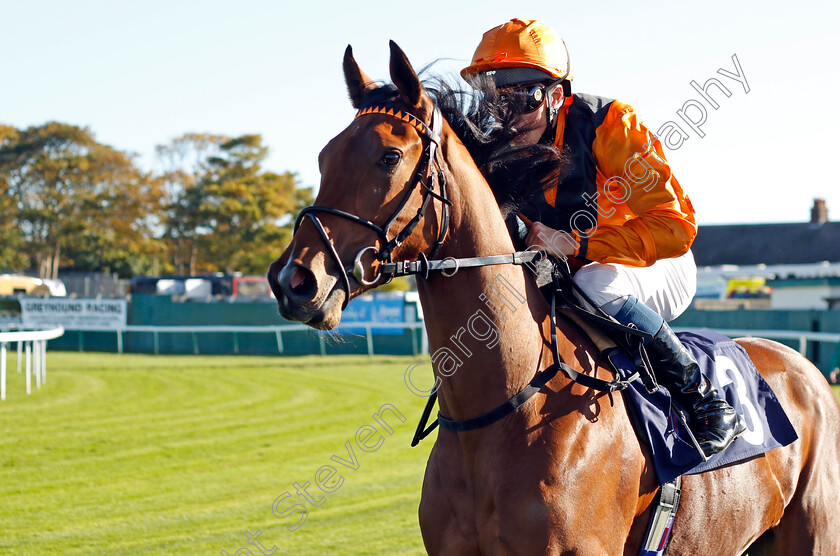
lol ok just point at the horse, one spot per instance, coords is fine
(563, 473)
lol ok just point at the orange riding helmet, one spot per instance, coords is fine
(524, 50)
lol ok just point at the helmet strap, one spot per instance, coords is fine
(550, 132)
(554, 107)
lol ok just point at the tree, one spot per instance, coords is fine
(77, 200)
(185, 164)
(249, 211)
(11, 256)
(224, 211)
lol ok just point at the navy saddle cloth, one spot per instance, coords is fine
(731, 371)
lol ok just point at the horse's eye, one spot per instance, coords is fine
(391, 158)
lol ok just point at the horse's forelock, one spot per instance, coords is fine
(386, 94)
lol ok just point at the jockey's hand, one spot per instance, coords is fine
(553, 242)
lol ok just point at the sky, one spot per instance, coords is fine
(139, 74)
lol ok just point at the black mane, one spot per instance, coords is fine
(515, 174)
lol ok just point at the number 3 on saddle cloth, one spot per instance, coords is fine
(729, 368)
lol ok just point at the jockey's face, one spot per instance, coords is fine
(531, 126)
(532, 102)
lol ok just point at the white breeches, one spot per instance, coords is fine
(667, 286)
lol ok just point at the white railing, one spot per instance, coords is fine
(802, 336)
(421, 347)
(277, 330)
(32, 343)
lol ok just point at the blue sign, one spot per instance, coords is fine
(368, 309)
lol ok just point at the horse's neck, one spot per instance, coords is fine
(484, 323)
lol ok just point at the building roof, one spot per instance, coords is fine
(746, 244)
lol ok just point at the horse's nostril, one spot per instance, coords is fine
(297, 278)
(302, 282)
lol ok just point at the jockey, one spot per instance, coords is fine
(618, 210)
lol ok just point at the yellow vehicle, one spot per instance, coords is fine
(747, 288)
(11, 284)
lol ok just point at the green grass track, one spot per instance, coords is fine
(134, 454)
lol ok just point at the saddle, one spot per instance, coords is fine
(659, 420)
(661, 425)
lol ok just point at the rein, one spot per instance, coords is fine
(534, 386)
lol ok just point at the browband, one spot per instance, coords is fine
(410, 119)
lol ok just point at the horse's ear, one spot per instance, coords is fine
(404, 77)
(358, 83)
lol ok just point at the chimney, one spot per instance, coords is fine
(819, 213)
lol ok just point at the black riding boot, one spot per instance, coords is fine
(713, 421)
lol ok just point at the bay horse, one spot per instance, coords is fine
(564, 473)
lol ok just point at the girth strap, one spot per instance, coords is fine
(662, 520)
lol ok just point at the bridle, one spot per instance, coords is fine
(424, 178)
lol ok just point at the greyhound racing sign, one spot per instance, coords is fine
(74, 314)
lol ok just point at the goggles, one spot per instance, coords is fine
(526, 98)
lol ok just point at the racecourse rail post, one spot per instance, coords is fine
(31, 355)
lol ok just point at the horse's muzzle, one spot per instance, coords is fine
(298, 296)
